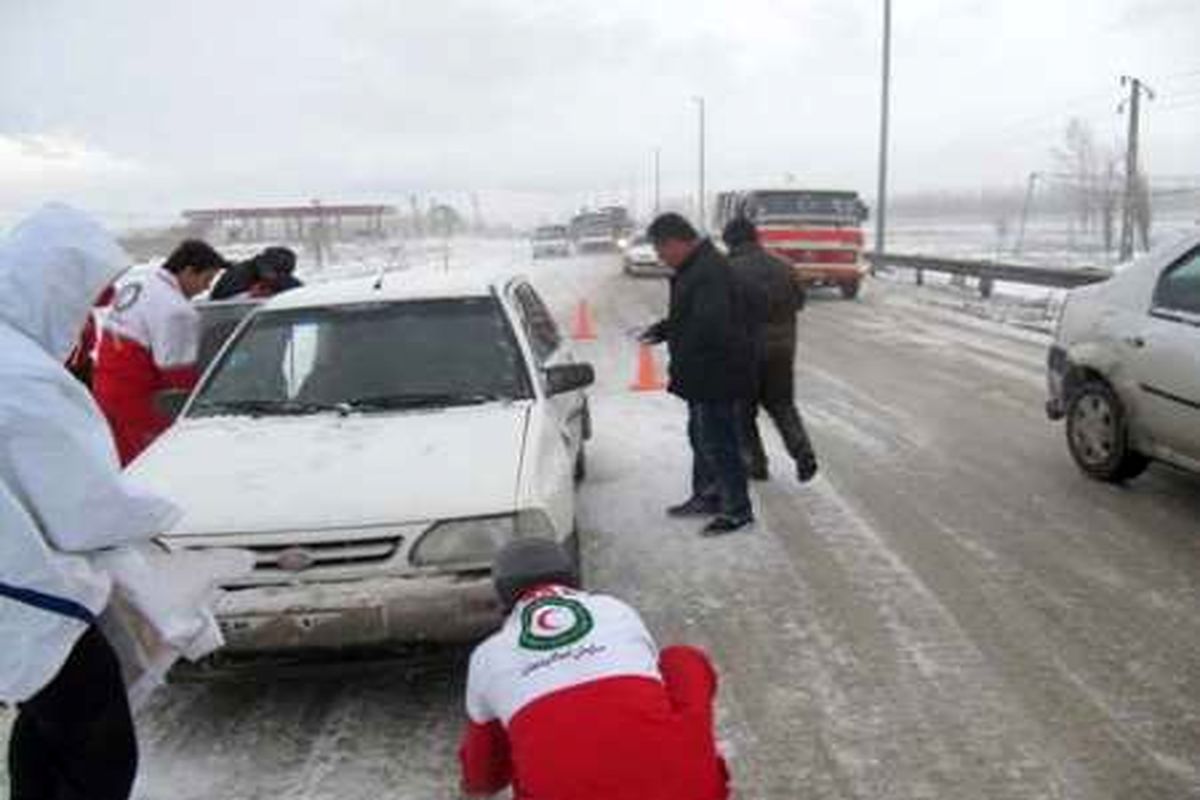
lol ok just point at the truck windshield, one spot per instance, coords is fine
(842, 207)
(368, 357)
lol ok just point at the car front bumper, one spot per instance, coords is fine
(1057, 367)
(440, 609)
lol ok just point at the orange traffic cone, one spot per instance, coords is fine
(583, 330)
(648, 377)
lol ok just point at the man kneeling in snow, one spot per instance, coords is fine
(571, 699)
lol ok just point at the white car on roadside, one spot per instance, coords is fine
(373, 443)
(640, 259)
(1124, 370)
(551, 241)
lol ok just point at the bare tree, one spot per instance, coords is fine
(1077, 160)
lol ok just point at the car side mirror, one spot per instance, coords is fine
(170, 402)
(564, 378)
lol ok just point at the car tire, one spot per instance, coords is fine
(1098, 434)
(850, 290)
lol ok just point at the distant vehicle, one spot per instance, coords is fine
(600, 231)
(551, 241)
(373, 447)
(1124, 370)
(818, 231)
(641, 260)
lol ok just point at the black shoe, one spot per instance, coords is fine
(806, 468)
(727, 523)
(696, 506)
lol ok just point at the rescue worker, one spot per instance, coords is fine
(775, 382)
(712, 365)
(82, 360)
(572, 700)
(149, 343)
(63, 499)
(266, 274)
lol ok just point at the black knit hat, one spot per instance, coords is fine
(738, 231)
(523, 564)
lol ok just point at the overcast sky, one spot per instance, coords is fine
(131, 109)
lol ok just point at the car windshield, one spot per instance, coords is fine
(844, 207)
(550, 233)
(368, 357)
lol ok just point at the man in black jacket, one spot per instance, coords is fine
(776, 393)
(712, 368)
(263, 275)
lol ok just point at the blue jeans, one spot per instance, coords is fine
(717, 467)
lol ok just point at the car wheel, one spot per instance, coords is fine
(850, 290)
(581, 464)
(1098, 436)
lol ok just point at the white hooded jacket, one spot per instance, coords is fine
(62, 494)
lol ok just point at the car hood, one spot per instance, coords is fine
(250, 475)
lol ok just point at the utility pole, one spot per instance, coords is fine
(702, 220)
(1136, 89)
(657, 180)
(1033, 176)
(884, 111)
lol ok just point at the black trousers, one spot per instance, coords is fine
(717, 466)
(776, 396)
(74, 739)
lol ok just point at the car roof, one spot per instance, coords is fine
(394, 287)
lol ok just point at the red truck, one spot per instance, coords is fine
(819, 231)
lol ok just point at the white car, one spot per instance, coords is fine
(640, 259)
(374, 443)
(1125, 367)
(551, 241)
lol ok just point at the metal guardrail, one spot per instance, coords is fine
(988, 272)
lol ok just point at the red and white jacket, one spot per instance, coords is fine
(149, 343)
(571, 700)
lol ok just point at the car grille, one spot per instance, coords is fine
(342, 553)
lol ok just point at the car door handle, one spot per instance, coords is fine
(1135, 341)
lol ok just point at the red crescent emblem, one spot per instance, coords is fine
(542, 619)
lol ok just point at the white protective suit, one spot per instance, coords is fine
(62, 494)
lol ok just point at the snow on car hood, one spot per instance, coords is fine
(249, 475)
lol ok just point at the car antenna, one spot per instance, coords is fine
(379, 278)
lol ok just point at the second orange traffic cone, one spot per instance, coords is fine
(583, 330)
(648, 379)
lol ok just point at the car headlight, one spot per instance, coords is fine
(472, 543)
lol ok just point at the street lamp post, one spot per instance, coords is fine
(700, 200)
(657, 180)
(884, 110)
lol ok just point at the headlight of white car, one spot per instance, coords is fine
(472, 543)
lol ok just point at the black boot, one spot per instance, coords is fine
(696, 506)
(727, 523)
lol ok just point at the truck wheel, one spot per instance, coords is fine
(1098, 434)
(850, 290)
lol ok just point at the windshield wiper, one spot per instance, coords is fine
(405, 401)
(257, 408)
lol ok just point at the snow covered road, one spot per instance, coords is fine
(949, 611)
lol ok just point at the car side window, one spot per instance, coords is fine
(1179, 287)
(539, 323)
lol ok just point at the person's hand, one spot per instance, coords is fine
(655, 334)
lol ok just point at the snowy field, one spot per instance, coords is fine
(949, 611)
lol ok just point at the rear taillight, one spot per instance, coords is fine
(822, 256)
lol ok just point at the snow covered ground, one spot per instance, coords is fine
(950, 610)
